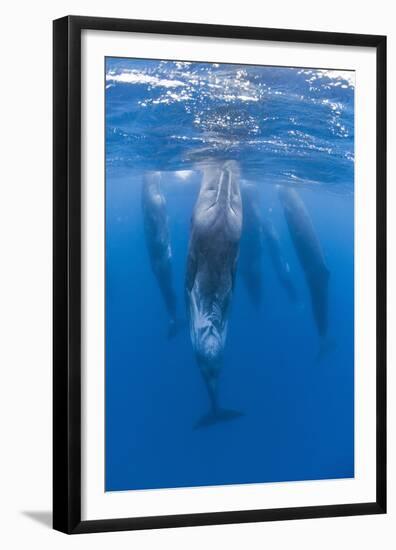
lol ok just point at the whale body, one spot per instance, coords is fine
(281, 266)
(157, 236)
(251, 249)
(211, 266)
(309, 253)
(259, 235)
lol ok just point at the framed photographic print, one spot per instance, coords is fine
(219, 274)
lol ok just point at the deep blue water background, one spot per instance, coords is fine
(289, 126)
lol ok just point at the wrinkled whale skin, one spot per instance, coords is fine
(216, 227)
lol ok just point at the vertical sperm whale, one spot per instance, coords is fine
(258, 232)
(251, 249)
(281, 266)
(310, 255)
(211, 265)
(158, 244)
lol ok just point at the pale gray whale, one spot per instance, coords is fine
(211, 265)
(156, 230)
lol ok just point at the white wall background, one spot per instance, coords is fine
(25, 273)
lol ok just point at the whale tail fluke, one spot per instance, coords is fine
(326, 348)
(175, 326)
(214, 417)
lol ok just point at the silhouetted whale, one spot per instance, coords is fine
(211, 265)
(158, 244)
(257, 231)
(251, 248)
(281, 266)
(310, 255)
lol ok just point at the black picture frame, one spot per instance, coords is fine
(67, 274)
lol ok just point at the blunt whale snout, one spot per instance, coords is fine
(287, 196)
(219, 199)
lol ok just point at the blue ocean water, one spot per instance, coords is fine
(284, 126)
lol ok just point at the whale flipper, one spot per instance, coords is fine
(220, 415)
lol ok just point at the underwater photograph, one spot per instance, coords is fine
(229, 269)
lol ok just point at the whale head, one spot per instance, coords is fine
(219, 202)
(288, 197)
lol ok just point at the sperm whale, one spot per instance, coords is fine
(157, 236)
(211, 266)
